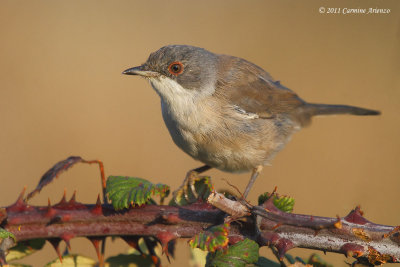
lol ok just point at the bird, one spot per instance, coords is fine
(225, 111)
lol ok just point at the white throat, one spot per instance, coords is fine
(170, 91)
(184, 106)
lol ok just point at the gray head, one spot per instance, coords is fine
(193, 68)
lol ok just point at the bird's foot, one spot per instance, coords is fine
(193, 188)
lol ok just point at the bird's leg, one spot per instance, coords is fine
(254, 174)
(187, 188)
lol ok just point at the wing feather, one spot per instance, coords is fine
(249, 87)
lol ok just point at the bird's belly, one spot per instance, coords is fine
(231, 148)
(229, 156)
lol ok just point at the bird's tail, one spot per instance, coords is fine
(324, 109)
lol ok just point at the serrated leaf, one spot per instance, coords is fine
(202, 186)
(241, 254)
(126, 191)
(213, 239)
(25, 248)
(6, 234)
(72, 260)
(284, 203)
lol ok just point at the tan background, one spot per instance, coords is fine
(62, 94)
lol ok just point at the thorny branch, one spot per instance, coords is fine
(352, 235)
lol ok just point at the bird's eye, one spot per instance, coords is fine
(175, 68)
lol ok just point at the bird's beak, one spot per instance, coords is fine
(140, 70)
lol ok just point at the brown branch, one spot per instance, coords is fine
(352, 235)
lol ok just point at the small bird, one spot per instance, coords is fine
(225, 111)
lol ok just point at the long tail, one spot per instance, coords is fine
(324, 109)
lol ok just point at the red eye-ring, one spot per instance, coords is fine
(175, 68)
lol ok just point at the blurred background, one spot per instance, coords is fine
(62, 94)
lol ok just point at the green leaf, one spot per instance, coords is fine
(25, 248)
(241, 254)
(211, 240)
(5, 234)
(73, 260)
(126, 191)
(284, 203)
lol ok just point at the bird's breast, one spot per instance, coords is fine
(189, 123)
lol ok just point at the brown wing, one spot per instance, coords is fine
(252, 89)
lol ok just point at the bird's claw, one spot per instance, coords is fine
(193, 188)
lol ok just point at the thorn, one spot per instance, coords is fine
(98, 209)
(151, 244)
(67, 237)
(96, 241)
(133, 242)
(98, 201)
(274, 191)
(164, 238)
(55, 242)
(269, 205)
(358, 208)
(268, 239)
(72, 200)
(355, 216)
(72, 204)
(63, 200)
(283, 246)
(338, 223)
(21, 195)
(352, 250)
(51, 212)
(171, 248)
(20, 204)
